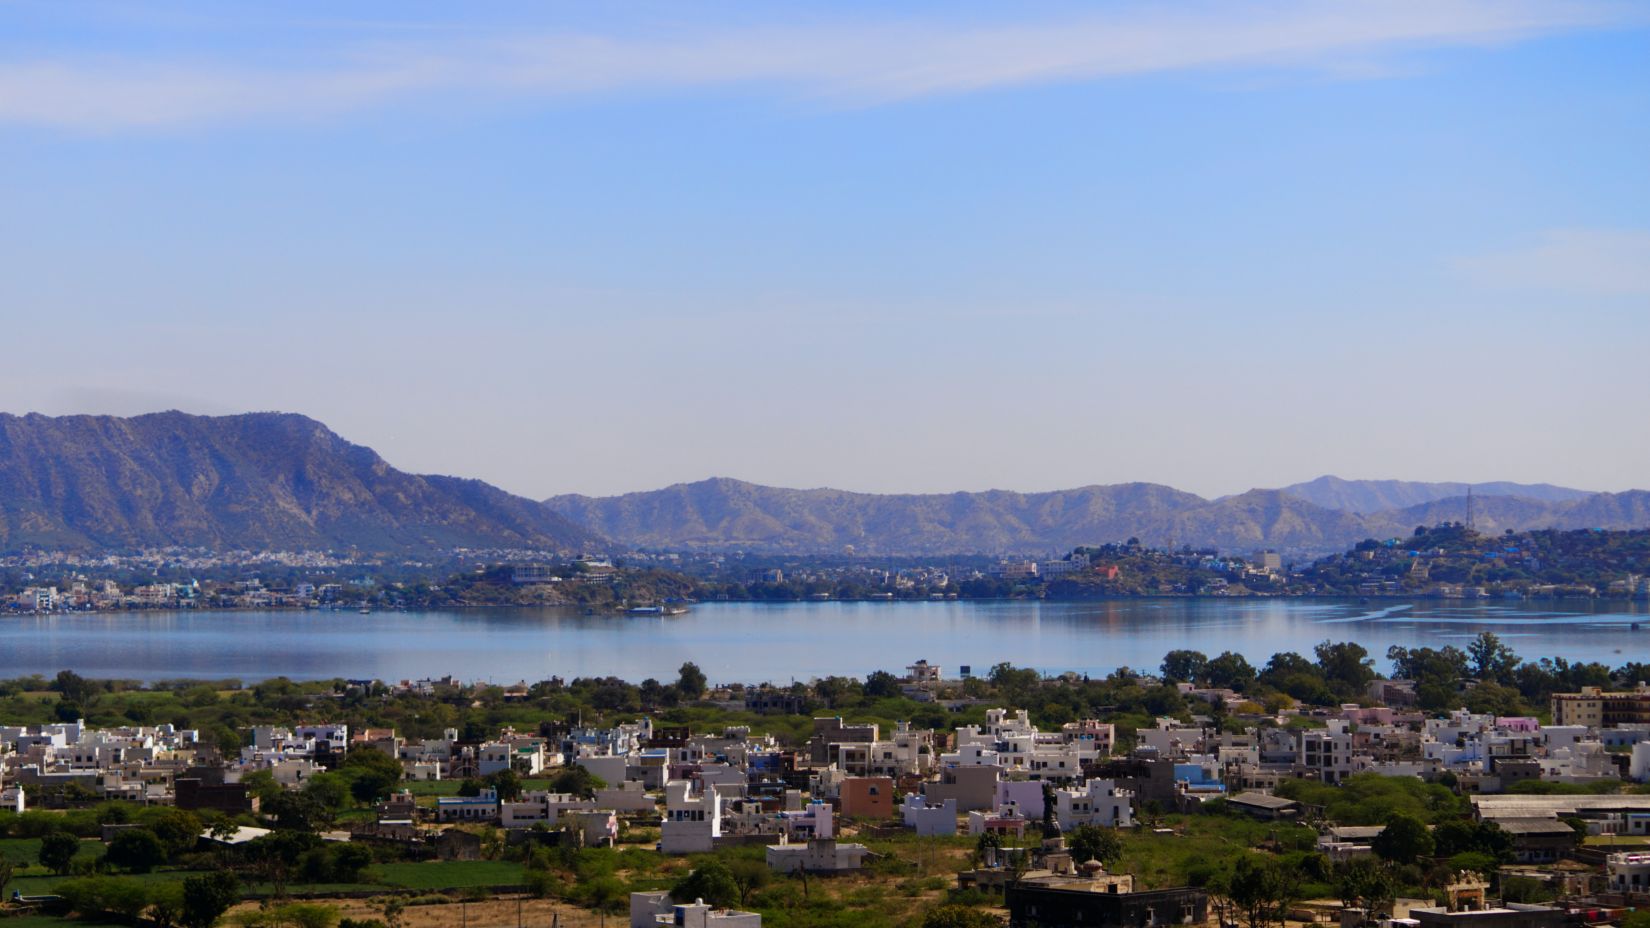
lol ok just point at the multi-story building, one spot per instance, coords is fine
(692, 822)
(1596, 708)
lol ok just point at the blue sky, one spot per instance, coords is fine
(924, 247)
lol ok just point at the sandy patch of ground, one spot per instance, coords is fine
(493, 913)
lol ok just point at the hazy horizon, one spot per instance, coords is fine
(886, 248)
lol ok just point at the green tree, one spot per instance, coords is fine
(373, 775)
(1367, 884)
(178, 830)
(1345, 666)
(75, 688)
(711, 881)
(691, 681)
(1404, 840)
(7, 871)
(881, 684)
(166, 904)
(506, 782)
(329, 791)
(1492, 658)
(94, 894)
(136, 850)
(1184, 666)
(57, 850)
(1261, 890)
(577, 781)
(749, 876)
(1091, 842)
(207, 897)
(1231, 671)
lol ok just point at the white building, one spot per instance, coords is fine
(822, 855)
(1628, 873)
(1097, 802)
(692, 822)
(929, 819)
(482, 808)
(656, 910)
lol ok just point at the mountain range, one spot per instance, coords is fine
(278, 481)
(729, 514)
(261, 481)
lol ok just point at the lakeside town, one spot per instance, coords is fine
(1465, 788)
(1447, 561)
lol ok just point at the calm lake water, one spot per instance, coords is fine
(753, 642)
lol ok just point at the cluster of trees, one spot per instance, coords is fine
(1339, 672)
(195, 902)
(1489, 676)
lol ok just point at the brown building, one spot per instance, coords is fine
(867, 797)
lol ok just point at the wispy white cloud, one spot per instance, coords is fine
(857, 63)
(1607, 262)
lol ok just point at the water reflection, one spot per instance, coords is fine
(742, 641)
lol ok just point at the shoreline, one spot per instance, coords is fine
(621, 611)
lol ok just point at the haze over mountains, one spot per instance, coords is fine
(282, 481)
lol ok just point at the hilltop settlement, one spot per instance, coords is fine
(1464, 788)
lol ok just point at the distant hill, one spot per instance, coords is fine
(255, 481)
(1372, 496)
(722, 514)
(728, 514)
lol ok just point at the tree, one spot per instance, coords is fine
(166, 904)
(1367, 884)
(691, 680)
(136, 850)
(373, 775)
(57, 850)
(1183, 666)
(1345, 666)
(1492, 658)
(74, 688)
(577, 781)
(881, 684)
(177, 829)
(1231, 671)
(329, 791)
(1091, 842)
(348, 860)
(1404, 840)
(93, 894)
(292, 811)
(7, 871)
(749, 876)
(206, 898)
(506, 782)
(1261, 890)
(711, 881)
(276, 854)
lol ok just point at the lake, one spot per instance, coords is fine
(751, 642)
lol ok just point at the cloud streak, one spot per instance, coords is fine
(1600, 262)
(862, 63)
